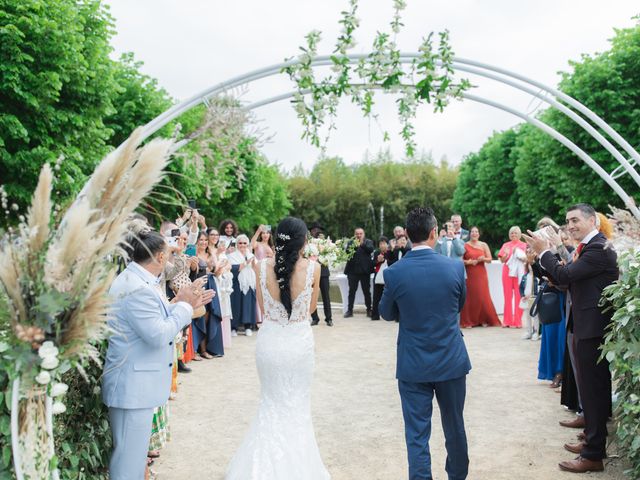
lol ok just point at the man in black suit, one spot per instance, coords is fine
(315, 229)
(594, 268)
(358, 271)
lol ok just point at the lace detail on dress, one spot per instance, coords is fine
(275, 311)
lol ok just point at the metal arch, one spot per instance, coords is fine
(629, 202)
(463, 65)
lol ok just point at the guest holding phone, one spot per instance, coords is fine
(228, 233)
(262, 243)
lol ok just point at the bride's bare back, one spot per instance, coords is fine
(297, 282)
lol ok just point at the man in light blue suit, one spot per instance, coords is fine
(137, 370)
(426, 292)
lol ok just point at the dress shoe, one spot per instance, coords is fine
(329, 323)
(182, 368)
(581, 465)
(315, 322)
(369, 313)
(348, 315)
(577, 422)
(574, 447)
(375, 318)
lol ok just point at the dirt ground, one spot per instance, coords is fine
(511, 418)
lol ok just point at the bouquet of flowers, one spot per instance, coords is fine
(328, 252)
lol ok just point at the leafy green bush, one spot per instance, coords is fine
(622, 349)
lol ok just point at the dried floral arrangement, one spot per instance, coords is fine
(54, 279)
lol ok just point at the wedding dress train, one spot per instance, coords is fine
(280, 443)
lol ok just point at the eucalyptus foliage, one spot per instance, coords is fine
(427, 79)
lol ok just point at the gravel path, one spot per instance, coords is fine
(511, 418)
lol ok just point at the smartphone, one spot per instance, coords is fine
(190, 251)
(192, 203)
(232, 244)
(175, 232)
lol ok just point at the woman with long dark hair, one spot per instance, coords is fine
(281, 443)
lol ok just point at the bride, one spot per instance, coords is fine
(280, 443)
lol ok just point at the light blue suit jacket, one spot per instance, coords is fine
(137, 370)
(457, 248)
(425, 292)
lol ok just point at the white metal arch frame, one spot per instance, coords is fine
(551, 96)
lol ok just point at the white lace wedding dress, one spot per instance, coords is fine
(280, 443)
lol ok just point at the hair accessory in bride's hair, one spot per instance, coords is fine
(282, 236)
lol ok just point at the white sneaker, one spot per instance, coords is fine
(248, 332)
(535, 337)
(526, 336)
(234, 333)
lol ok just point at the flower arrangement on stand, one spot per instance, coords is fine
(54, 279)
(327, 252)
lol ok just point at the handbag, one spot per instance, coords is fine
(547, 306)
(379, 280)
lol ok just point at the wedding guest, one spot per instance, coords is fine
(381, 258)
(553, 336)
(459, 232)
(528, 291)
(224, 288)
(228, 233)
(200, 326)
(587, 276)
(213, 239)
(478, 309)
(243, 298)
(262, 243)
(316, 230)
(137, 369)
(358, 271)
(400, 249)
(513, 257)
(399, 231)
(448, 244)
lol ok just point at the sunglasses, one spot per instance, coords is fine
(243, 243)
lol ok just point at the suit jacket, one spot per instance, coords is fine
(360, 263)
(595, 269)
(457, 248)
(426, 292)
(137, 370)
(464, 234)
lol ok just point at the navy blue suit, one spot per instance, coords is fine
(426, 293)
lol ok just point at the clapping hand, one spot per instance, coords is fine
(195, 294)
(537, 244)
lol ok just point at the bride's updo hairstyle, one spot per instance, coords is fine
(290, 238)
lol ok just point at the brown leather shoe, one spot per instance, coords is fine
(577, 422)
(581, 465)
(574, 447)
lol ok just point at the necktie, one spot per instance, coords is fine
(580, 247)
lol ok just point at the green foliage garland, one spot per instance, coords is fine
(422, 81)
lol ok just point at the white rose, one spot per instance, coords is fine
(58, 407)
(43, 377)
(48, 349)
(50, 363)
(59, 389)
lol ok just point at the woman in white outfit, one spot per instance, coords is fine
(280, 443)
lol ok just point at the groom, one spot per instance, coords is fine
(426, 292)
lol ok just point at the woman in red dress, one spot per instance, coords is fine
(478, 309)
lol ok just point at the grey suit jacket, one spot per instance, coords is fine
(137, 370)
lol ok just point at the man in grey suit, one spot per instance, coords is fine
(448, 244)
(137, 370)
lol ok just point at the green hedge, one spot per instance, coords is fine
(622, 349)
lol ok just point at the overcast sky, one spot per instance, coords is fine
(190, 45)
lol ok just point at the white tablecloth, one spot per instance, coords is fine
(494, 271)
